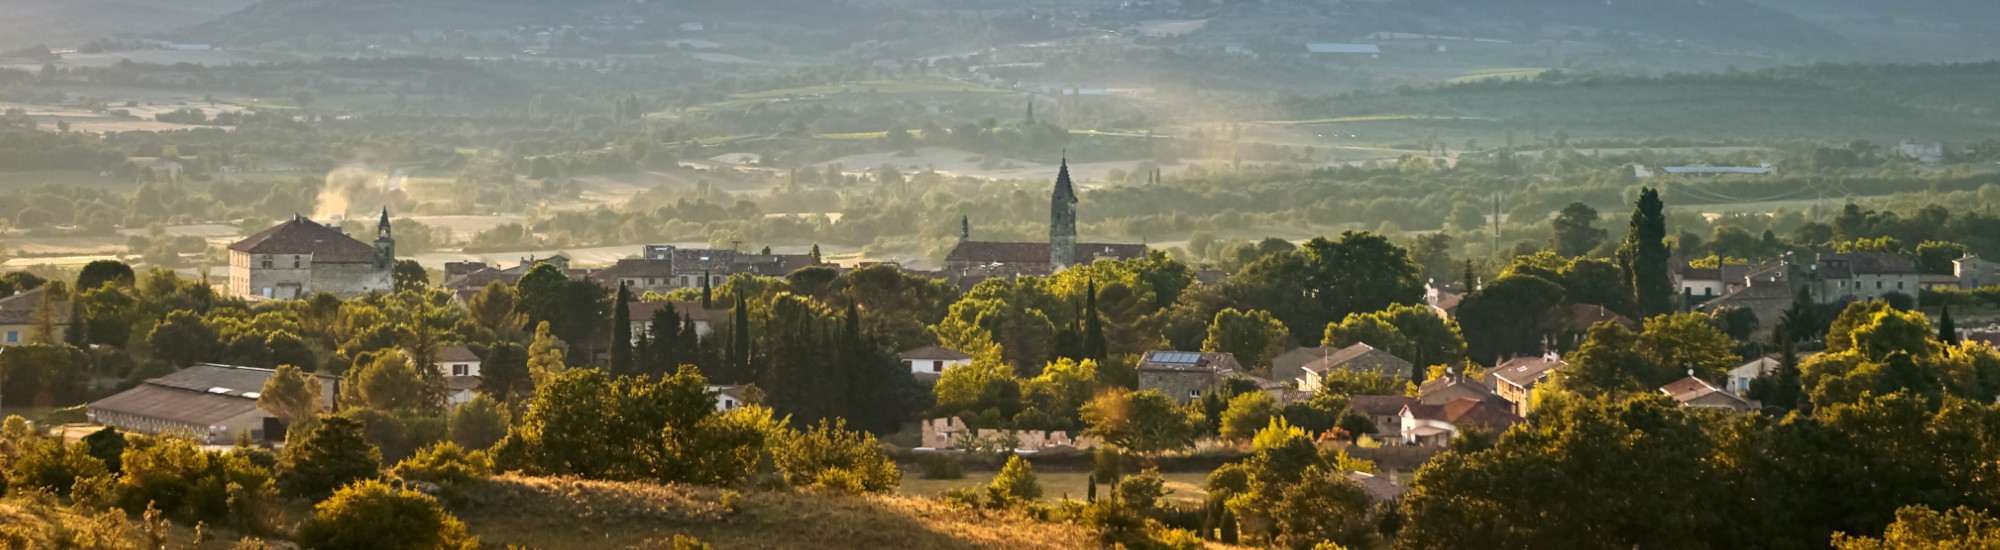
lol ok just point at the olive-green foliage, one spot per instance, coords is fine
(1247, 413)
(397, 434)
(1015, 484)
(49, 464)
(445, 464)
(187, 483)
(941, 466)
(1254, 337)
(1920, 528)
(807, 457)
(587, 423)
(1142, 491)
(479, 423)
(333, 454)
(372, 515)
(1144, 422)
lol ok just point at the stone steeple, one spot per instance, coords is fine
(385, 242)
(1062, 220)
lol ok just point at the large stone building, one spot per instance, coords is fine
(1184, 375)
(301, 257)
(974, 260)
(213, 404)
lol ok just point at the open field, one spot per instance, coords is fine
(1183, 487)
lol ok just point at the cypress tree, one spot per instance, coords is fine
(1093, 327)
(739, 340)
(707, 294)
(1947, 329)
(621, 331)
(1090, 495)
(1644, 256)
(666, 352)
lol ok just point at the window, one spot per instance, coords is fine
(1878, 285)
(937, 366)
(1899, 285)
(265, 261)
(1708, 291)
(1193, 394)
(295, 262)
(458, 369)
(13, 337)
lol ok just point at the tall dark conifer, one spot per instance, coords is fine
(739, 340)
(1093, 327)
(707, 293)
(1643, 257)
(621, 331)
(665, 332)
(1947, 329)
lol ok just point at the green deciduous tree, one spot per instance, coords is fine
(291, 395)
(1143, 422)
(1254, 337)
(1576, 231)
(1247, 413)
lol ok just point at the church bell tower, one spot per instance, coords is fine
(1062, 220)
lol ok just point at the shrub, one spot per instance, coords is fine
(941, 466)
(1014, 484)
(446, 465)
(1143, 492)
(1247, 413)
(962, 496)
(185, 482)
(803, 456)
(331, 455)
(48, 464)
(106, 444)
(370, 514)
(398, 434)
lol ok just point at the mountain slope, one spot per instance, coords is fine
(61, 23)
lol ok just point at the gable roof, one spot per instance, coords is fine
(934, 353)
(1685, 386)
(1525, 371)
(1379, 405)
(202, 394)
(1695, 392)
(456, 354)
(1841, 266)
(19, 309)
(1466, 412)
(303, 236)
(1451, 382)
(1583, 316)
(637, 267)
(1360, 356)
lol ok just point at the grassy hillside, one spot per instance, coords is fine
(40, 522)
(565, 513)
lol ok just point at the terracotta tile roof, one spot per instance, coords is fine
(1465, 413)
(1584, 316)
(303, 236)
(637, 267)
(1684, 386)
(934, 353)
(1379, 405)
(1453, 381)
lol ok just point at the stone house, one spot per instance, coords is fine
(1436, 425)
(301, 257)
(17, 316)
(1865, 276)
(1359, 357)
(1386, 411)
(1514, 380)
(1185, 375)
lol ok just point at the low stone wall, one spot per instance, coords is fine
(952, 433)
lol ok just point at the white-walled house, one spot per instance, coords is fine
(460, 369)
(729, 398)
(931, 361)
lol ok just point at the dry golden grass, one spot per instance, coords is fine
(568, 513)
